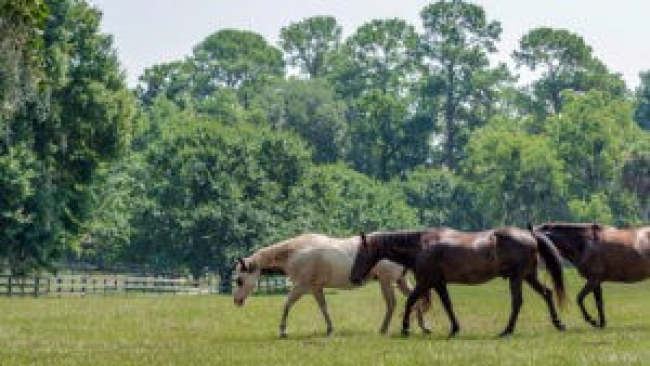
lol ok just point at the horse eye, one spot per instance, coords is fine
(239, 282)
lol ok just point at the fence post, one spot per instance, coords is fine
(9, 286)
(36, 285)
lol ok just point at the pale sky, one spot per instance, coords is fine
(149, 32)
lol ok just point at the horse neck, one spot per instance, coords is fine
(271, 257)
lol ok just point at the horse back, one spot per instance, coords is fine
(621, 255)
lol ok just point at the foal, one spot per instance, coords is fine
(442, 255)
(601, 253)
(314, 262)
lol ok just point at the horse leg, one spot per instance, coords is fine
(417, 293)
(420, 308)
(293, 296)
(320, 299)
(389, 297)
(516, 300)
(598, 296)
(441, 289)
(547, 294)
(589, 287)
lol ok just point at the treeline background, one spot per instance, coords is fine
(244, 143)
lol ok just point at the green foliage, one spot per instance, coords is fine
(456, 43)
(213, 192)
(517, 177)
(591, 135)
(642, 111)
(339, 201)
(383, 143)
(309, 44)
(595, 209)
(310, 109)
(566, 63)
(442, 198)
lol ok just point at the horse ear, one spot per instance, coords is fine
(363, 239)
(242, 264)
(595, 229)
(529, 225)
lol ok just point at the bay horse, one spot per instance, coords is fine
(314, 262)
(443, 255)
(601, 253)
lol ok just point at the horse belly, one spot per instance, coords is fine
(472, 272)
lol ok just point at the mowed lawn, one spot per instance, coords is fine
(210, 330)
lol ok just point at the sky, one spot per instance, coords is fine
(150, 32)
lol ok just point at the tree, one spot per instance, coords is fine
(233, 59)
(383, 145)
(590, 136)
(309, 44)
(20, 53)
(517, 177)
(442, 198)
(337, 200)
(642, 111)
(309, 108)
(566, 62)
(456, 43)
(212, 193)
(79, 119)
(380, 55)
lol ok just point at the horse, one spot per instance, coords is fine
(316, 261)
(601, 253)
(443, 255)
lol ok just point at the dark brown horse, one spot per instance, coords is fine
(601, 253)
(442, 255)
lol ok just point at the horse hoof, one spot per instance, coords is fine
(329, 332)
(405, 332)
(559, 326)
(593, 323)
(505, 334)
(426, 330)
(283, 335)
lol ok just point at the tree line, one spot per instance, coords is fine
(243, 143)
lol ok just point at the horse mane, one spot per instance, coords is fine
(396, 238)
(273, 258)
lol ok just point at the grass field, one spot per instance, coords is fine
(210, 330)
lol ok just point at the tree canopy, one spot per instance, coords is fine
(243, 143)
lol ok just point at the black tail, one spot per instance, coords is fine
(553, 262)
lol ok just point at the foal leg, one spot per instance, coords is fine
(420, 308)
(320, 299)
(416, 294)
(516, 300)
(598, 296)
(389, 297)
(293, 296)
(589, 287)
(547, 294)
(441, 289)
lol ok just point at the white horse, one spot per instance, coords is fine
(314, 262)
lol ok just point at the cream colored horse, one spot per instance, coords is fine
(314, 262)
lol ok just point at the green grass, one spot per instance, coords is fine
(210, 330)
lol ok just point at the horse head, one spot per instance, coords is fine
(247, 272)
(364, 261)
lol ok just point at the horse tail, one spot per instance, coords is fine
(553, 262)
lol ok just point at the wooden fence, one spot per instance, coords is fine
(82, 285)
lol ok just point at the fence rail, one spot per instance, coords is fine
(82, 285)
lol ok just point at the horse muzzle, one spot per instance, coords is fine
(239, 302)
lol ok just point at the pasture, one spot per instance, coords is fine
(210, 330)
